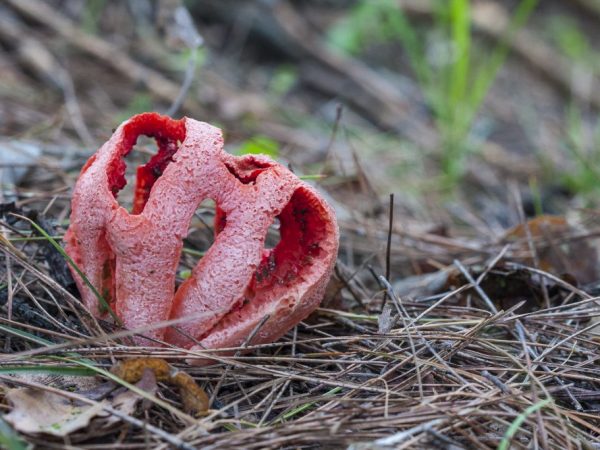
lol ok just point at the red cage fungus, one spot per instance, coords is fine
(132, 258)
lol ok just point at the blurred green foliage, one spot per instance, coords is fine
(368, 22)
(565, 33)
(583, 175)
(453, 81)
(91, 14)
(259, 145)
(139, 103)
(283, 80)
(9, 439)
(179, 61)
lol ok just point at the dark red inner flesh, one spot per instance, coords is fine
(109, 286)
(168, 134)
(302, 228)
(247, 169)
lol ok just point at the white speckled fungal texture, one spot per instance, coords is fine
(132, 258)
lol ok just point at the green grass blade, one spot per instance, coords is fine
(313, 177)
(576, 145)
(38, 340)
(308, 405)
(413, 47)
(9, 439)
(191, 251)
(514, 427)
(536, 195)
(460, 25)
(49, 370)
(31, 238)
(26, 335)
(488, 72)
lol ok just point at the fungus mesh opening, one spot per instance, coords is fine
(200, 237)
(302, 229)
(168, 135)
(273, 235)
(140, 155)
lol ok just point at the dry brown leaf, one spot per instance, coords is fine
(127, 400)
(37, 411)
(573, 259)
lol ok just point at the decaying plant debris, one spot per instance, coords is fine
(481, 337)
(454, 366)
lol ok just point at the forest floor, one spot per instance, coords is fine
(463, 310)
